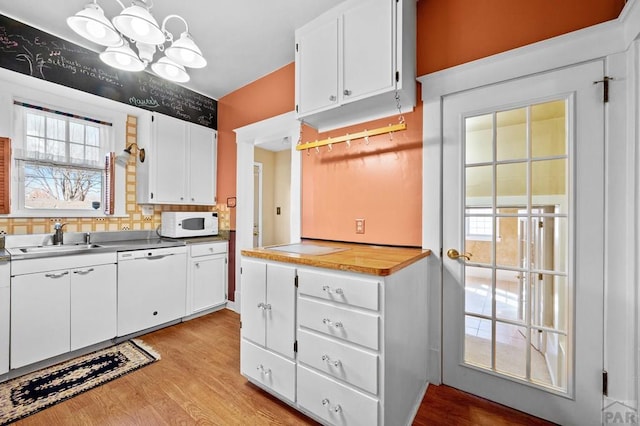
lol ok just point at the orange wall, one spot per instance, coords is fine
(452, 32)
(267, 97)
(373, 182)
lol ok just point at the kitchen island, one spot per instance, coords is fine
(337, 330)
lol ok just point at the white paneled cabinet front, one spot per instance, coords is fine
(93, 305)
(180, 164)
(352, 53)
(40, 321)
(58, 310)
(207, 276)
(268, 325)
(361, 340)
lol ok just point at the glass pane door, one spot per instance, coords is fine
(516, 204)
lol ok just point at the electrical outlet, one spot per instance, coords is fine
(359, 226)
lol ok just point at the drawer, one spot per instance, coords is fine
(269, 369)
(334, 402)
(344, 323)
(347, 363)
(356, 291)
(204, 249)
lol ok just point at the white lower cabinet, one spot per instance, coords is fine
(207, 276)
(267, 315)
(5, 315)
(55, 311)
(361, 342)
(269, 369)
(93, 305)
(334, 402)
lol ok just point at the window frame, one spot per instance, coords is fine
(18, 208)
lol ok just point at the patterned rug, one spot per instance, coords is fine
(28, 394)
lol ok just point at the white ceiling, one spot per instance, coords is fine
(242, 40)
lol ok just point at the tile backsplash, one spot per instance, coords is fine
(134, 219)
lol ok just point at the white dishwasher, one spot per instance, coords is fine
(151, 287)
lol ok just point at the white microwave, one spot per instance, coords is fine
(188, 224)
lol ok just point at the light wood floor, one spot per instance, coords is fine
(197, 381)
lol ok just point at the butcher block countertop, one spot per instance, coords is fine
(363, 258)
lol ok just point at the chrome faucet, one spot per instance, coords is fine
(58, 235)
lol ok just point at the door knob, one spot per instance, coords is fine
(455, 254)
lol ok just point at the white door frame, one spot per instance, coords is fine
(613, 40)
(260, 193)
(247, 137)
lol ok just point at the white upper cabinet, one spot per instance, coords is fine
(180, 164)
(351, 60)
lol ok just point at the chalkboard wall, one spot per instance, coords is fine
(30, 51)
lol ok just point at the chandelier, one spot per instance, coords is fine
(136, 25)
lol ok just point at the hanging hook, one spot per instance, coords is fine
(330, 147)
(366, 137)
(308, 153)
(317, 150)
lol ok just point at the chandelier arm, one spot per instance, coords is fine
(164, 22)
(117, 1)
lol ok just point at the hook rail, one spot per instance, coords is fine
(348, 138)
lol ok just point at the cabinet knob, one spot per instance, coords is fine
(327, 289)
(181, 198)
(193, 199)
(262, 370)
(330, 323)
(332, 98)
(336, 363)
(347, 92)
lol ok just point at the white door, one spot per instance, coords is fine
(522, 317)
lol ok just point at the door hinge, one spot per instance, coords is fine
(539, 277)
(295, 281)
(241, 270)
(295, 346)
(397, 76)
(605, 87)
(296, 107)
(240, 324)
(540, 224)
(605, 383)
(296, 47)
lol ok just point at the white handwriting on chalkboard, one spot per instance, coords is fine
(149, 102)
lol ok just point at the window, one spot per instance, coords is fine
(479, 228)
(60, 161)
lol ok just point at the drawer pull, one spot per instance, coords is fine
(86, 271)
(262, 370)
(336, 408)
(264, 306)
(336, 363)
(330, 323)
(60, 275)
(336, 291)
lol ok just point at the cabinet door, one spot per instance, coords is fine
(93, 305)
(5, 319)
(368, 65)
(170, 159)
(209, 280)
(40, 324)
(317, 67)
(202, 165)
(281, 295)
(253, 301)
